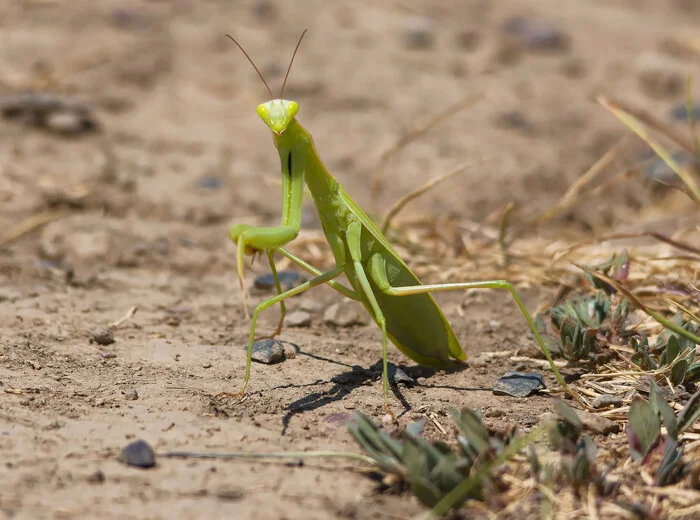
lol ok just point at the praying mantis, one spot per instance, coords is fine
(402, 307)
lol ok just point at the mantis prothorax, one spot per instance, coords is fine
(400, 305)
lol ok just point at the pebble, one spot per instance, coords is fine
(660, 76)
(268, 351)
(290, 350)
(98, 477)
(209, 182)
(233, 493)
(679, 112)
(345, 314)
(418, 34)
(288, 280)
(67, 123)
(102, 336)
(606, 400)
(130, 394)
(468, 39)
(536, 34)
(494, 413)
(138, 454)
(310, 305)
(298, 319)
(597, 424)
(659, 171)
(518, 384)
(396, 375)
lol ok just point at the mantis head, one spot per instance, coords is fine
(278, 114)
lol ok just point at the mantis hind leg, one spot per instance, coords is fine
(381, 321)
(379, 276)
(319, 280)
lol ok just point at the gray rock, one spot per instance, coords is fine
(518, 384)
(138, 454)
(288, 280)
(298, 319)
(345, 314)
(418, 34)
(606, 400)
(396, 375)
(130, 394)
(597, 424)
(102, 336)
(536, 34)
(268, 351)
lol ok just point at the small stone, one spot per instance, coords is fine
(66, 123)
(597, 423)
(468, 39)
(518, 384)
(268, 351)
(290, 350)
(679, 112)
(206, 365)
(233, 493)
(209, 182)
(98, 477)
(418, 34)
(606, 400)
(102, 336)
(130, 394)
(660, 76)
(396, 375)
(288, 280)
(345, 314)
(310, 305)
(87, 246)
(659, 171)
(298, 319)
(494, 413)
(138, 454)
(536, 34)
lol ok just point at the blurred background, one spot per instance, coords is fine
(144, 110)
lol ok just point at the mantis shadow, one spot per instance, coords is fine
(357, 376)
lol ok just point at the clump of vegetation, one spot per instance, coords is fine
(444, 477)
(433, 469)
(671, 354)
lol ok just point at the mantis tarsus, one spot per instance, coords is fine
(400, 305)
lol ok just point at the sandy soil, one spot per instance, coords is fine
(180, 155)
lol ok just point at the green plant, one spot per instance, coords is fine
(433, 469)
(672, 352)
(649, 446)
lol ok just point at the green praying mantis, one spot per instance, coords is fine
(402, 307)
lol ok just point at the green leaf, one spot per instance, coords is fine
(568, 414)
(690, 413)
(678, 370)
(645, 424)
(672, 350)
(664, 409)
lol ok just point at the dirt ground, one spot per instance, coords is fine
(137, 212)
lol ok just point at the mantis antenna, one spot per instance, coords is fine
(255, 67)
(290, 63)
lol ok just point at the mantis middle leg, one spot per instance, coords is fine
(379, 276)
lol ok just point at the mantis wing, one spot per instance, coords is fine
(415, 324)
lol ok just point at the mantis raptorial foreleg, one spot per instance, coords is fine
(379, 276)
(319, 280)
(251, 239)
